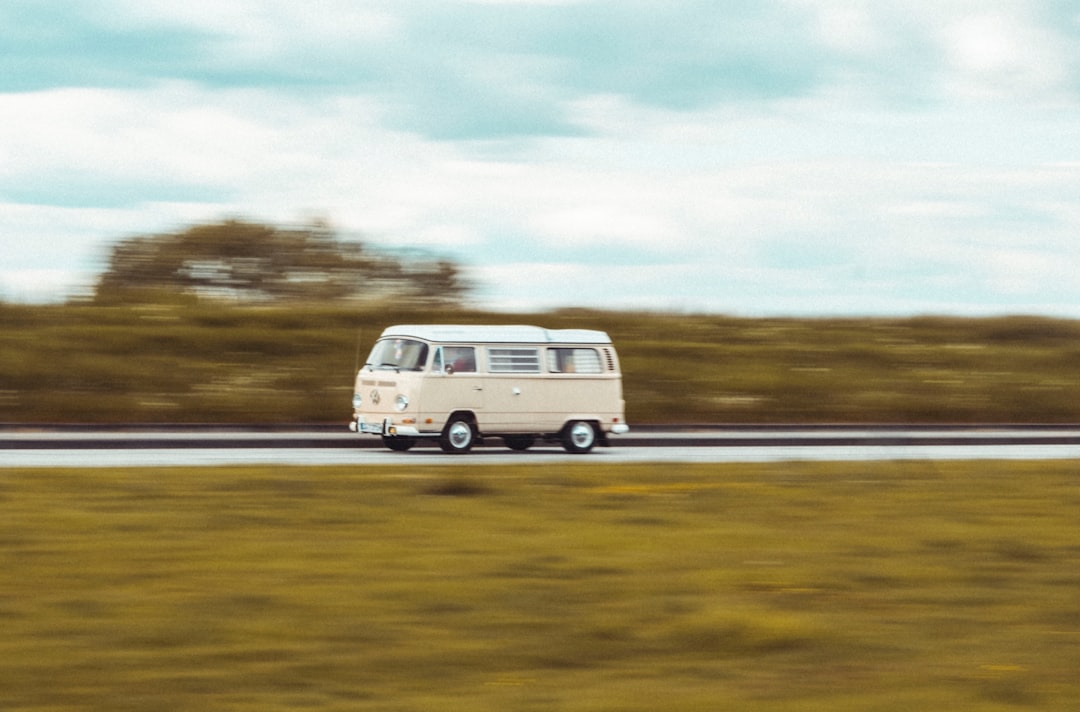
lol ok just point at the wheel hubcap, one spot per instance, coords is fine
(582, 434)
(460, 435)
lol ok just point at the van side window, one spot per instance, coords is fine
(574, 361)
(513, 360)
(461, 358)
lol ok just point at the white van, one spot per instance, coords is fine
(458, 384)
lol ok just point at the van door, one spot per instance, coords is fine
(515, 396)
(455, 382)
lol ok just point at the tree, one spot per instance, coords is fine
(252, 262)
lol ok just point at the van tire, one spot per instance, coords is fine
(578, 436)
(519, 442)
(398, 443)
(458, 436)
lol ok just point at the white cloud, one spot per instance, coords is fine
(526, 2)
(984, 44)
(1004, 55)
(172, 134)
(44, 285)
(903, 156)
(850, 27)
(1025, 273)
(261, 27)
(606, 225)
(460, 238)
(541, 285)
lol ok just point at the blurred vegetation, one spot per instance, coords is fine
(256, 263)
(817, 587)
(185, 360)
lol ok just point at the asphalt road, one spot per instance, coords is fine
(30, 446)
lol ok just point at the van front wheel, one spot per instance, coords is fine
(578, 436)
(458, 436)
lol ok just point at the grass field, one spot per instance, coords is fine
(797, 586)
(220, 363)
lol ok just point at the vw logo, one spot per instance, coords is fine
(375, 397)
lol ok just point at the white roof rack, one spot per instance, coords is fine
(510, 334)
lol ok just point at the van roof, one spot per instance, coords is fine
(472, 333)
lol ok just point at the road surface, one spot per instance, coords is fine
(198, 446)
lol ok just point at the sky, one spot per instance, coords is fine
(745, 157)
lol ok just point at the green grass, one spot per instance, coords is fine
(796, 586)
(200, 363)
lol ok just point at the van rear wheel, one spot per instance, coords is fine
(458, 436)
(579, 436)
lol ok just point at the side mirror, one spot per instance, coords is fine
(448, 370)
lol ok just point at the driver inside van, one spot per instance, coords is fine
(461, 358)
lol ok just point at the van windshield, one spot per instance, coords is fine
(398, 355)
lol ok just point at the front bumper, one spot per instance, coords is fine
(383, 427)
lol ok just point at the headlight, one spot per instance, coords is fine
(402, 401)
(357, 401)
